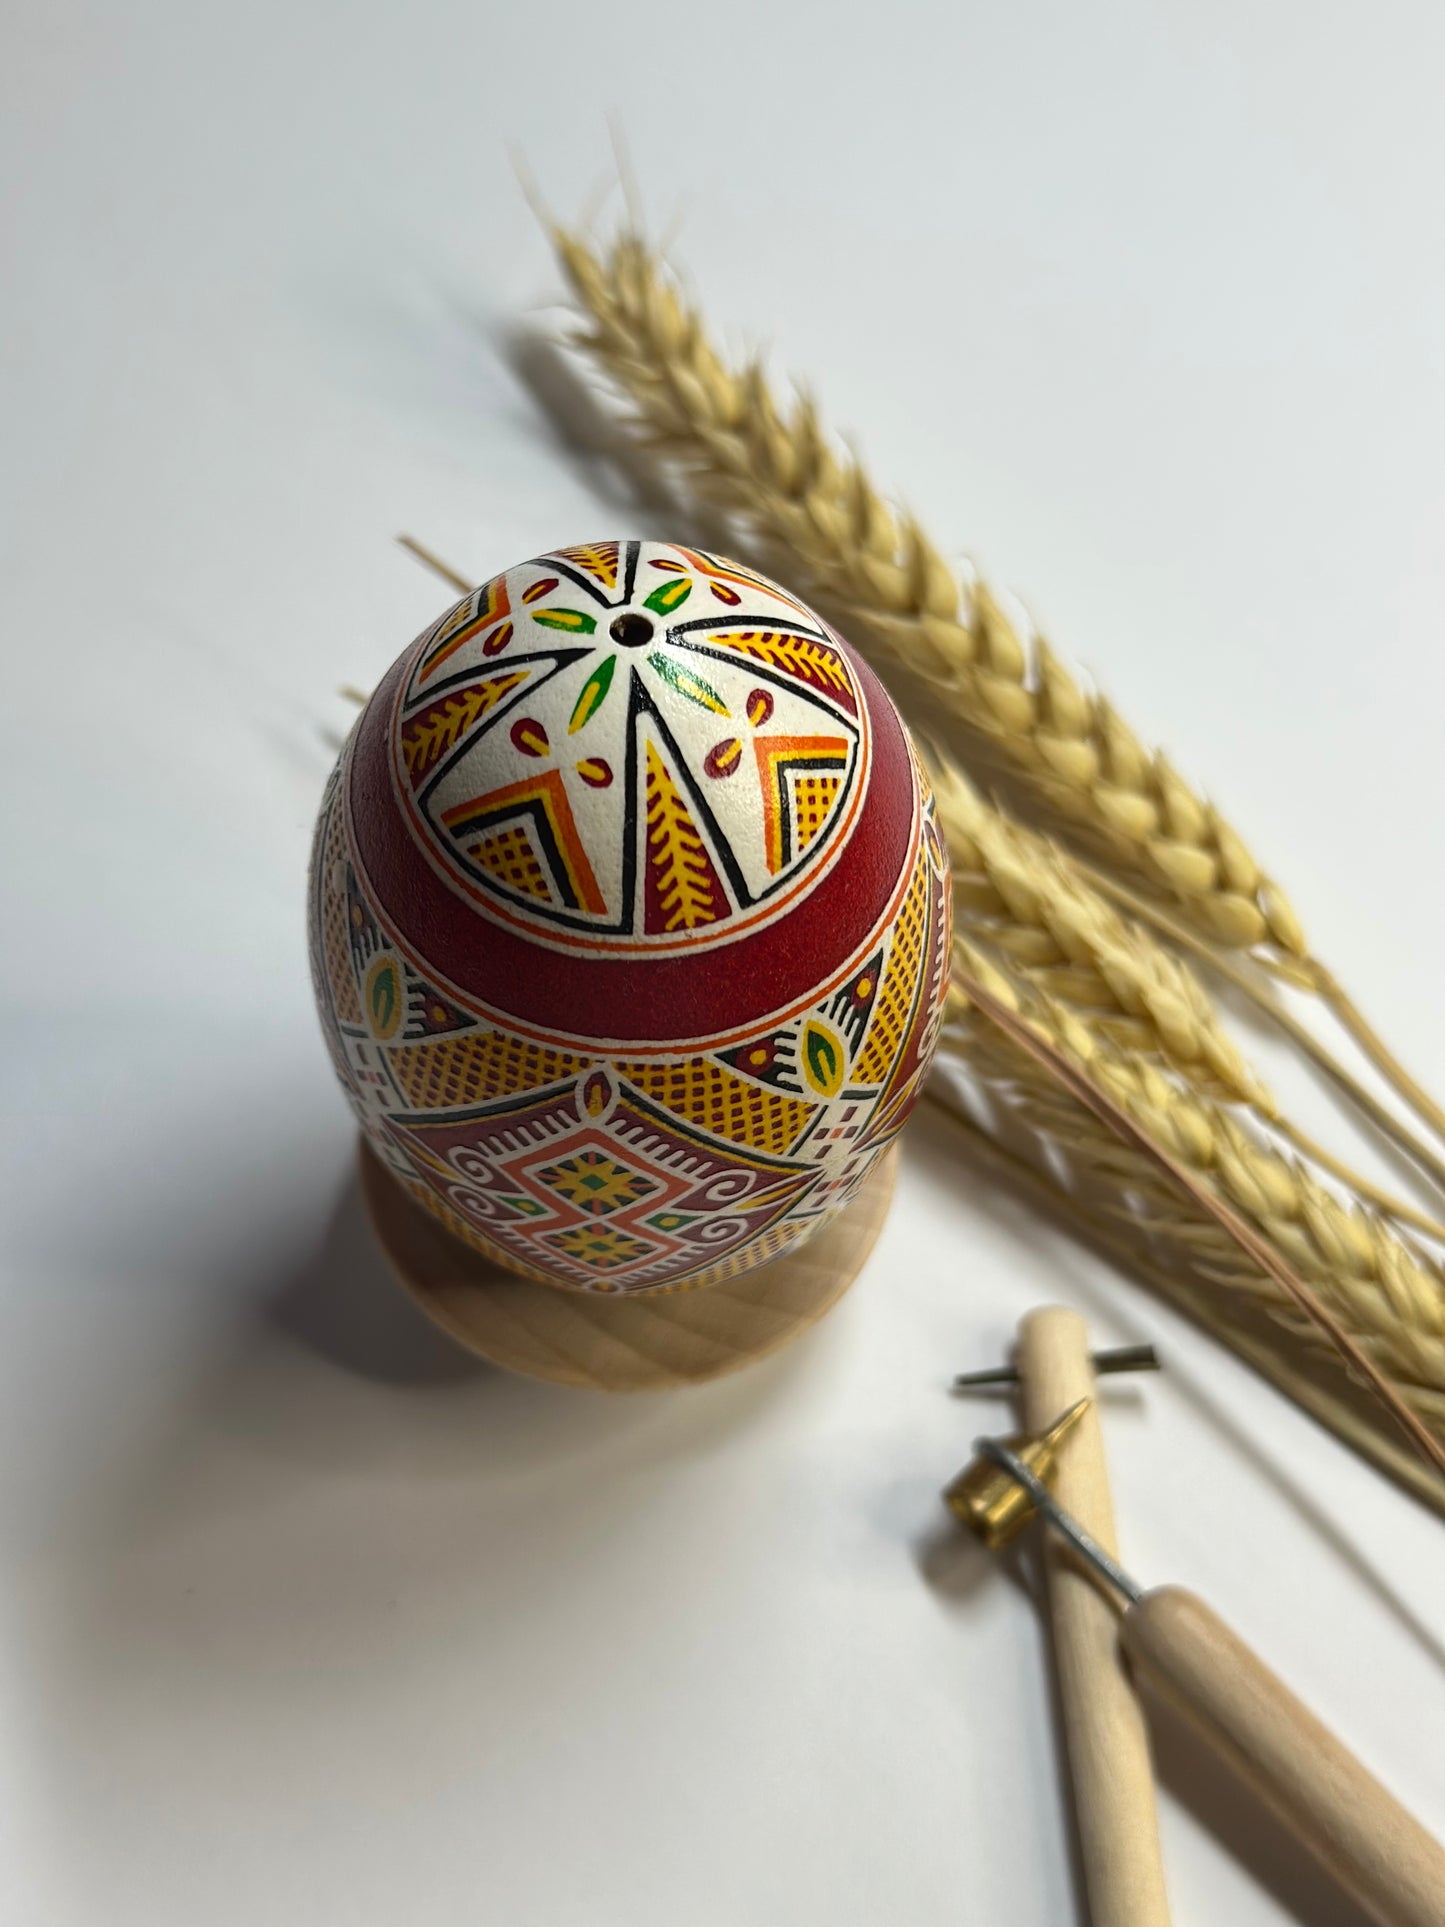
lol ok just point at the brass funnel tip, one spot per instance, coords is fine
(990, 1501)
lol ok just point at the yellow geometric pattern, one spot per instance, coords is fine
(597, 559)
(598, 1246)
(596, 1183)
(510, 858)
(775, 1240)
(709, 1096)
(813, 798)
(899, 987)
(452, 1071)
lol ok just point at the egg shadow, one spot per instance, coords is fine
(317, 1494)
(269, 1434)
(345, 1304)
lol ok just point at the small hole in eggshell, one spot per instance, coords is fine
(633, 631)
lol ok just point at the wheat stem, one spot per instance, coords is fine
(1373, 1045)
(434, 562)
(1120, 985)
(1385, 1202)
(1380, 1116)
(1182, 1288)
(1138, 1195)
(1024, 896)
(1367, 1291)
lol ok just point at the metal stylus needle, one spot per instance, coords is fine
(1119, 1358)
(1049, 1506)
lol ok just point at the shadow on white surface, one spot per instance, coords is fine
(957, 1569)
(346, 1306)
(325, 1511)
(1194, 1775)
(581, 433)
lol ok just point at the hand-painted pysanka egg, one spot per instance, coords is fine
(629, 919)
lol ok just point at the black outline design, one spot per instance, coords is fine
(533, 813)
(690, 638)
(627, 574)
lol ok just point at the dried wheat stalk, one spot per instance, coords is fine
(1136, 1202)
(1023, 897)
(785, 482)
(1108, 1210)
(1384, 1292)
(780, 473)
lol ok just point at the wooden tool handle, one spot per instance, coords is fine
(1113, 1781)
(1374, 1848)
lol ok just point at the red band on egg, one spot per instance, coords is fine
(718, 992)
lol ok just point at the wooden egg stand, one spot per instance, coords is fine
(610, 1342)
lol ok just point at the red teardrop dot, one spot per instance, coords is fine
(724, 758)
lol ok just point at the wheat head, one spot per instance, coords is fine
(1111, 1216)
(1016, 893)
(773, 468)
(1384, 1292)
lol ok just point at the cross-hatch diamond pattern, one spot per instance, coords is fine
(596, 1183)
(510, 858)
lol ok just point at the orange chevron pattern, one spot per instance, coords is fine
(780, 759)
(479, 611)
(547, 795)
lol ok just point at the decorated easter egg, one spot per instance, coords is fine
(629, 919)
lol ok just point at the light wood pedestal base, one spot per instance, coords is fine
(621, 1344)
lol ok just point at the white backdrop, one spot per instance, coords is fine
(305, 1618)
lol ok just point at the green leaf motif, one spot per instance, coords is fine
(669, 595)
(572, 620)
(686, 683)
(823, 1059)
(594, 694)
(383, 998)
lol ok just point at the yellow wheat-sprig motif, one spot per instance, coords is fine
(795, 653)
(426, 740)
(679, 862)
